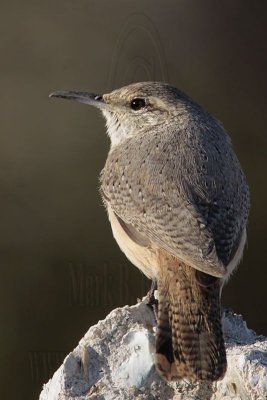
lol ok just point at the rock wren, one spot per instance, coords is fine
(178, 203)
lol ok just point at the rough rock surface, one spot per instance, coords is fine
(114, 360)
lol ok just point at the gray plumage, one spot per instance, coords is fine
(178, 203)
(180, 183)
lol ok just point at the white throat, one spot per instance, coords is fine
(115, 129)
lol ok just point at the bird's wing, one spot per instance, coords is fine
(156, 189)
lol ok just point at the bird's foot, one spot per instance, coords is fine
(150, 299)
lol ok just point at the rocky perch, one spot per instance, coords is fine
(114, 360)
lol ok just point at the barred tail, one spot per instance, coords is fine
(189, 341)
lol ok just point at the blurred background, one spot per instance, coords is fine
(61, 270)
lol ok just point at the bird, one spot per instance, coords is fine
(178, 201)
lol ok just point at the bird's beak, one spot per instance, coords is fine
(83, 97)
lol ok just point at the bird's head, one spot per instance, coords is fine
(136, 108)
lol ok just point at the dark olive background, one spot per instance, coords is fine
(61, 270)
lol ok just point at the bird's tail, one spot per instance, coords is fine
(189, 341)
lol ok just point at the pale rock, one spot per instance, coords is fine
(114, 361)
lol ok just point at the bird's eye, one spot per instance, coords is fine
(138, 103)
